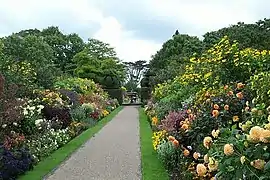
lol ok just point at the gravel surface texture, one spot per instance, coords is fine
(112, 154)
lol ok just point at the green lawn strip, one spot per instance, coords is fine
(56, 158)
(152, 168)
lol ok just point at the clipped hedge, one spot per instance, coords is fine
(116, 94)
(145, 93)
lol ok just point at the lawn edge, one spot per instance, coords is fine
(148, 155)
(51, 163)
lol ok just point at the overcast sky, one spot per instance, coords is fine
(136, 29)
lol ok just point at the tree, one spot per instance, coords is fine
(255, 35)
(98, 61)
(135, 71)
(100, 49)
(169, 60)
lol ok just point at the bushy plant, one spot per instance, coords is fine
(14, 162)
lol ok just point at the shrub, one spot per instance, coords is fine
(14, 163)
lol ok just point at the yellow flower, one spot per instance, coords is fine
(216, 106)
(242, 159)
(206, 158)
(154, 120)
(240, 85)
(201, 170)
(235, 118)
(212, 165)
(255, 133)
(265, 136)
(215, 133)
(228, 149)
(207, 142)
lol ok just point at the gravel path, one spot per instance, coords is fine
(113, 154)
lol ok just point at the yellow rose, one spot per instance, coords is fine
(201, 170)
(207, 142)
(228, 149)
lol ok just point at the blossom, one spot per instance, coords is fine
(4, 125)
(212, 165)
(258, 164)
(15, 124)
(184, 126)
(206, 158)
(215, 113)
(196, 155)
(239, 95)
(240, 85)
(171, 138)
(230, 93)
(255, 133)
(216, 106)
(176, 143)
(154, 120)
(186, 152)
(235, 118)
(215, 133)
(226, 107)
(201, 170)
(207, 142)
(242, 159)
(188, 111)
(265, 136)
(228, 149)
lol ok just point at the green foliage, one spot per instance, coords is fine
(247, 35)
(115, 94)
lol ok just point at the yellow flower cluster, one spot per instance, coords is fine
(105, 113)
(157, 138)
(258, 134)
(155, 121)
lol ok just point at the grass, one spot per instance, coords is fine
(56, 158)
(152, 169)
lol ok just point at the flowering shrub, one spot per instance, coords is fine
(44, 144)
(216, 115)
(14, 162)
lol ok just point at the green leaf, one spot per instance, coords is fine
(267, 166)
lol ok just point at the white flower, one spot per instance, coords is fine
(4, 126)
(15, 124)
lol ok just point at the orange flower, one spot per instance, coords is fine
(258, 164)
(154, 120)
(171, 138)
(226, 107)
(207, 142)
(240, 85)
(235, 118)
(186, 152)
(216, 106)
(188, 111)
(226, 87)
(184, 126)
(239, 95)
(230, 93)
(215, 113)
(176, 143)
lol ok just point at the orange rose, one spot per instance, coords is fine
(188, 111)
(216, 106)
(226, 107)
(186, 152)
(215, 113)
(240, 85)
(171, 138)
(239, 95)
(230, 93)
(226, 87)
(176, 143)
(235, 118)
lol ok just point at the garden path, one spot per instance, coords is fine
(112, 154)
